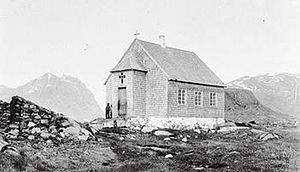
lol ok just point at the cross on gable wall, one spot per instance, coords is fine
(121, 77)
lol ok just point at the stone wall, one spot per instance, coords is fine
(23, 120)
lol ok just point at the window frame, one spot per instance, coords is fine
(215, 104)
(196, 96)
(183, 99)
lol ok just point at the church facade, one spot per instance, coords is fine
(158, 82)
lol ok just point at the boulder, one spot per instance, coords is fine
(65, 123)
(167, 139)
(162, 133)
(3, 143)
(169, 156)
(44, 121)
(148, 129)
(258, 131)
(45, 135)
(13, 126)
(83, 137)
(36, 130)
(31, 124)
(71, 131)
(197, 131)
(13, 133)
(268, 136)
(30, 137)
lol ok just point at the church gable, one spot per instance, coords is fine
(129, 61)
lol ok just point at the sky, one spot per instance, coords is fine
(86, 38)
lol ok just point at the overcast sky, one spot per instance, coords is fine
(86, 38)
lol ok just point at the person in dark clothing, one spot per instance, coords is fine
(110, 112)
(107, 109)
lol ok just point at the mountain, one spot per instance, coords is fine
(279, 91)
(66, 94)
(241, 105)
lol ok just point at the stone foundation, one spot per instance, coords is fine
(163, 122)
(184, 122)
(177, 122)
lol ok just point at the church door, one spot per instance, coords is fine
(122, 102)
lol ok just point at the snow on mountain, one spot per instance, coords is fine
(66, 94)
(279, 91)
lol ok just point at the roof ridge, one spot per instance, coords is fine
(151, 57)
(180, 64)
(166, 46)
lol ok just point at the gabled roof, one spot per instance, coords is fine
(129, 63)
(181, 65)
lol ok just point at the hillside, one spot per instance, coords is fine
(241, 105)
(66, 94)
(280, 92)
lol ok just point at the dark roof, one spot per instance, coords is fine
(129, 63)
(181, 65)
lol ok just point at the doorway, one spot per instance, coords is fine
(122, 101)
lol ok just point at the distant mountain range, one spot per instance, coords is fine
(279, 91)
(66, 94)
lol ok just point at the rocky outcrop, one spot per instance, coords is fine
(241, 105)
(24, 120)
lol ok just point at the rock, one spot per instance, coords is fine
(148, 129)
(258, 131)
(66, 123)
(169, 156)
(44, 121)
(13, 126)
(184, 139)
(30, 137)
(197, 131)
(72, 131)
(242, 124)
(268, 136)
(49, 142)
(162, 133)
(31, 124)
(52, 129)
(230, 129)
(32, 107)
(83, 137)
(37, 117)
(26, 106)
(2, 143)
(85, 131)
(14, 132)
(36, 130)
(10, 150)
(167, 139)
(45, 135)
(199, 168)
(121, 138)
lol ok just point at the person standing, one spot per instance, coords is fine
(107, 111)
(110, 112)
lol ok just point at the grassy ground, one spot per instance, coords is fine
(125, 150)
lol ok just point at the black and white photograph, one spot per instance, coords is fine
(150, 85)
